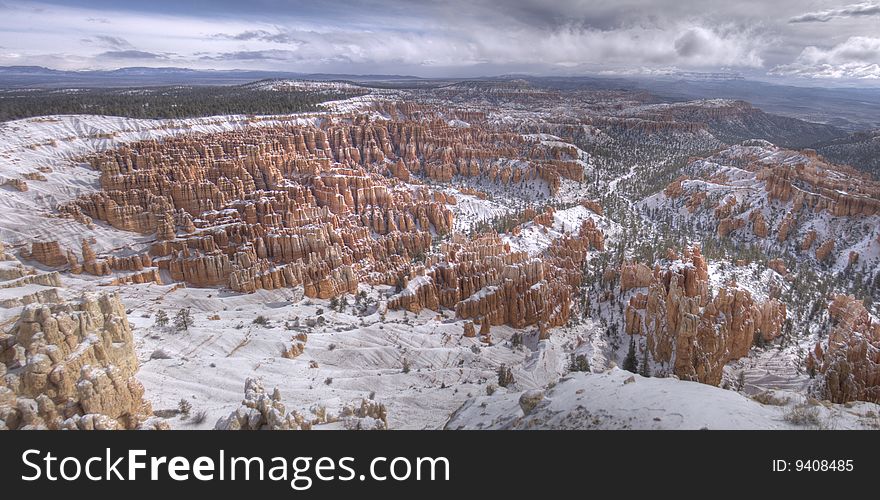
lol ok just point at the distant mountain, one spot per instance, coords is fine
(40, 77)
(853, 109)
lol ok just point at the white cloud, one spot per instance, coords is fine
(67, 37)
(857, 58)
(865, 9)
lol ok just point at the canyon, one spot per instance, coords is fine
(403, 255)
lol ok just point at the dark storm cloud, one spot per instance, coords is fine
(866, 9)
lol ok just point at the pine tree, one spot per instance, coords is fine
(183, 319)
(631, 363)
(161, 318)
(645, 368)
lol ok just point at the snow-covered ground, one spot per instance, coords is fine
(347, 355)
(617, 399)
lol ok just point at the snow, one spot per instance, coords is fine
(607, 401)
(359, 354)
(535, 238)
(355, 353)
(58, 141)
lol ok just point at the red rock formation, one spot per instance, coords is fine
(850, 360)
(634, 275)
(693, 332)
(278, 206)
(759, 224)
(71, 366)
(729, 225)
(47, 253)
(674, 189)
(469, 329)
(545, 218)
(778, 265)
(808, 240)
(17, 184)
(485, 332)
(824, 250)
(785, 227)
(593, 205)
(819, 186)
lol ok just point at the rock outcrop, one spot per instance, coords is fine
(635, 275)
(848, 364)
(483, 280)
(262, 411)
(71, 365)
(692, 331)
(47, 253)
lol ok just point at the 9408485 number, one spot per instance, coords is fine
(813, 465)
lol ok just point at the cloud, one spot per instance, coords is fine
(278, 36)
(130, 54)
(712, 48)
(864, 9)
(251, 55)
(112, 42)
(856, 58)
(448, 39)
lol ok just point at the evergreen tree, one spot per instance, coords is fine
(579, 363)
(161, 318)
(645, 368)
(183, 320)
(631, 363)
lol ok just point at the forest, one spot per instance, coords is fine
(165, 102)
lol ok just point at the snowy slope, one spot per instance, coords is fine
(609, 401)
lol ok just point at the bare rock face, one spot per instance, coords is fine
(690, 330)
(482, 280)
(71, 365)
(17, 184)
(808, 240)
(674, 189)
(785, 227)
(635, 275)
(824, 250)
(47, 253)
(778, 265)
(816, 185)
(759, 224)
(853, 258)
(284, 206)
(849, 362)
(594, 206)
(805, 186)
(366, 416)
(729, 225)
(469, 329)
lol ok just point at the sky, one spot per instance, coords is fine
(805, 40)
